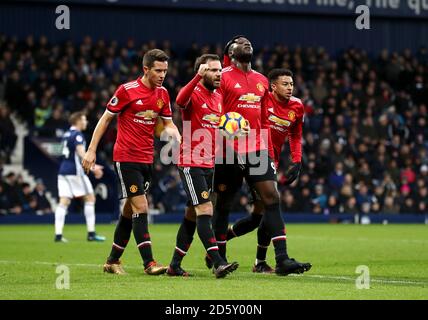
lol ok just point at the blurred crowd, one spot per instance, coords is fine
(365, 132)
(18, 197)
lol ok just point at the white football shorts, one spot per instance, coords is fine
(71, 186)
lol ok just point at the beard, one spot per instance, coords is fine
(244, 57)
(209, 85)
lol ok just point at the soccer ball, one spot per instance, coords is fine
(231, 125)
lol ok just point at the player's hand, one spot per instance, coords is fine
(292, 173)
(203, 68)
(98, 171)
(245, 131)
(88, 160)
(173, 132)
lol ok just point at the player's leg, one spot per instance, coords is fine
(250, 222)
(60, 213)
(197, 183)
(266, 186)
(65, 192)
(89, 211)
(275, 226)
(121, 237)
(227, 181)
(137, 179)
(263, 241)
(183, 241)
(204, 212)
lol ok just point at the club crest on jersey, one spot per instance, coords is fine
(114, 101)
(260, 87)
(147, 115)
(160, 103)
(205, 195)
(250, 98)
(211, 118)
(133, 188)
(291, 115)
(278, 121)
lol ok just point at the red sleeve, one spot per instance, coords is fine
(119, 100)
(166, 111)
(295, 139)
(185, 94)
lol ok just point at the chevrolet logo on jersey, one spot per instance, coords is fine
(250, 98)
(147, 115)
(211, 118)
(279, 121)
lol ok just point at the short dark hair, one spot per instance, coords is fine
(151, 56)
(274, 74)
(75, 116)
(204, 59)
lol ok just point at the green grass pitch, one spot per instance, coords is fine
(396, 255)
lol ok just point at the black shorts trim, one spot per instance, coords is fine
(197, 183)
(134, 178)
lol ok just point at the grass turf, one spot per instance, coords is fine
(397, 257)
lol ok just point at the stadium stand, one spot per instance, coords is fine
(365, 131)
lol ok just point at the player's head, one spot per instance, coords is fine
(241, 50)
(212, 77)
(281, 83)
(155, 66)
(78, 119)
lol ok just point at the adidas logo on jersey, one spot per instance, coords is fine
(204, 106)
(237, 86)
(139, 102)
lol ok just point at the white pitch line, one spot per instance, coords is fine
(345, 278)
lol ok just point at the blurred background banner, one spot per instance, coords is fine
(389, 8)
(194, 22)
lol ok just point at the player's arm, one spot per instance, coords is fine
(171, 129)
(295, 142)
(185, 95)
(96, 169)
(116, 104)
(89, 157)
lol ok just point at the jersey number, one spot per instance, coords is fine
(65, 150)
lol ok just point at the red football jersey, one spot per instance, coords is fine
(243, 92)
(201, 111)
(137, 107)
(285, 120)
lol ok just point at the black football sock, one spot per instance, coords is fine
(263, 241)
(275, 226)
(221, 221)
(244, 226)
(206, 234)
(142, 237)
(122, 234)
(184, 240)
